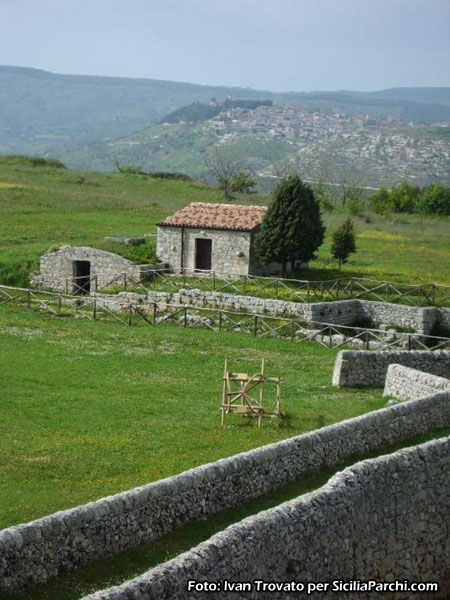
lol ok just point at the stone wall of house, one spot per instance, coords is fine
(57, 268)
(403, 383)
(230, 252)
(39, 550)
(384, 519)
(168, 246)
(354, 368)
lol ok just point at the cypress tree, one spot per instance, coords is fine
(292, 229)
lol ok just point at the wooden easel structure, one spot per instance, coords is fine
(237, 398)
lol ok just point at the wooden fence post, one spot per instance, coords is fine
(124, 281)
(214, 280)
(220, 320)
(130, 313)
(155, 310)
(29, 299)
(255, 331)
(59, 303)
(185, 316)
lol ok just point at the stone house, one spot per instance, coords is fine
(205, 236)
(82, 269)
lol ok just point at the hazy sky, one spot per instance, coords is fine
(264, 44)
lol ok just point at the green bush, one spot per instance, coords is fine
(404, 198)
(380, 202)
(435, 200)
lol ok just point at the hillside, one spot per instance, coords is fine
(40, 112)
(66, 116)
(45, 206)
(321, 145)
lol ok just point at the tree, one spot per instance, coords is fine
(380, 201)
(232, 179)
(324, 196)
(343, 242)
(292, 229)
(352, 199)
(435, 200)
(403, 197)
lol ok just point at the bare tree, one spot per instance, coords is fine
(229, 174)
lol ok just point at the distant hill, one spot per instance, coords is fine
(88, 121)
(199, 111)
(40, 111)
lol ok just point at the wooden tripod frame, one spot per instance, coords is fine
(237, 398)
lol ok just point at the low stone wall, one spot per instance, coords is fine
(404, 383)
(36, 551)
(421, 320)
(383, 519)
(353, 368)
(342, 312)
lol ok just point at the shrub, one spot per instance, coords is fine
(353, 200)
(403, 198)
(435, 200)
(380, 202)
(343, 243)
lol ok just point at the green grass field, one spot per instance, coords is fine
(90, 409)
(135, 561)
(44, 207)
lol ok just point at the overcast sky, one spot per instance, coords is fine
(299, 45)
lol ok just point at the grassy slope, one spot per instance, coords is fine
(99, 407)
(42, 207)
(134, 562)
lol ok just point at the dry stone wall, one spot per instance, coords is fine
(342, 312)
(403, 383)
(419, 319)
(39, 550)
(354, 368)
(383, 519)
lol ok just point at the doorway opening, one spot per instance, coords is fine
(203, 252)
(81, 277)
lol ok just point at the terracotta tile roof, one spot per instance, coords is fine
(206, 215)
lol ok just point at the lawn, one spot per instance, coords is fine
(44, 207)
(90, 409)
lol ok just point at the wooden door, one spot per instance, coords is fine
(203, 252)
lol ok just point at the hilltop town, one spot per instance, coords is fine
(384, 148)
